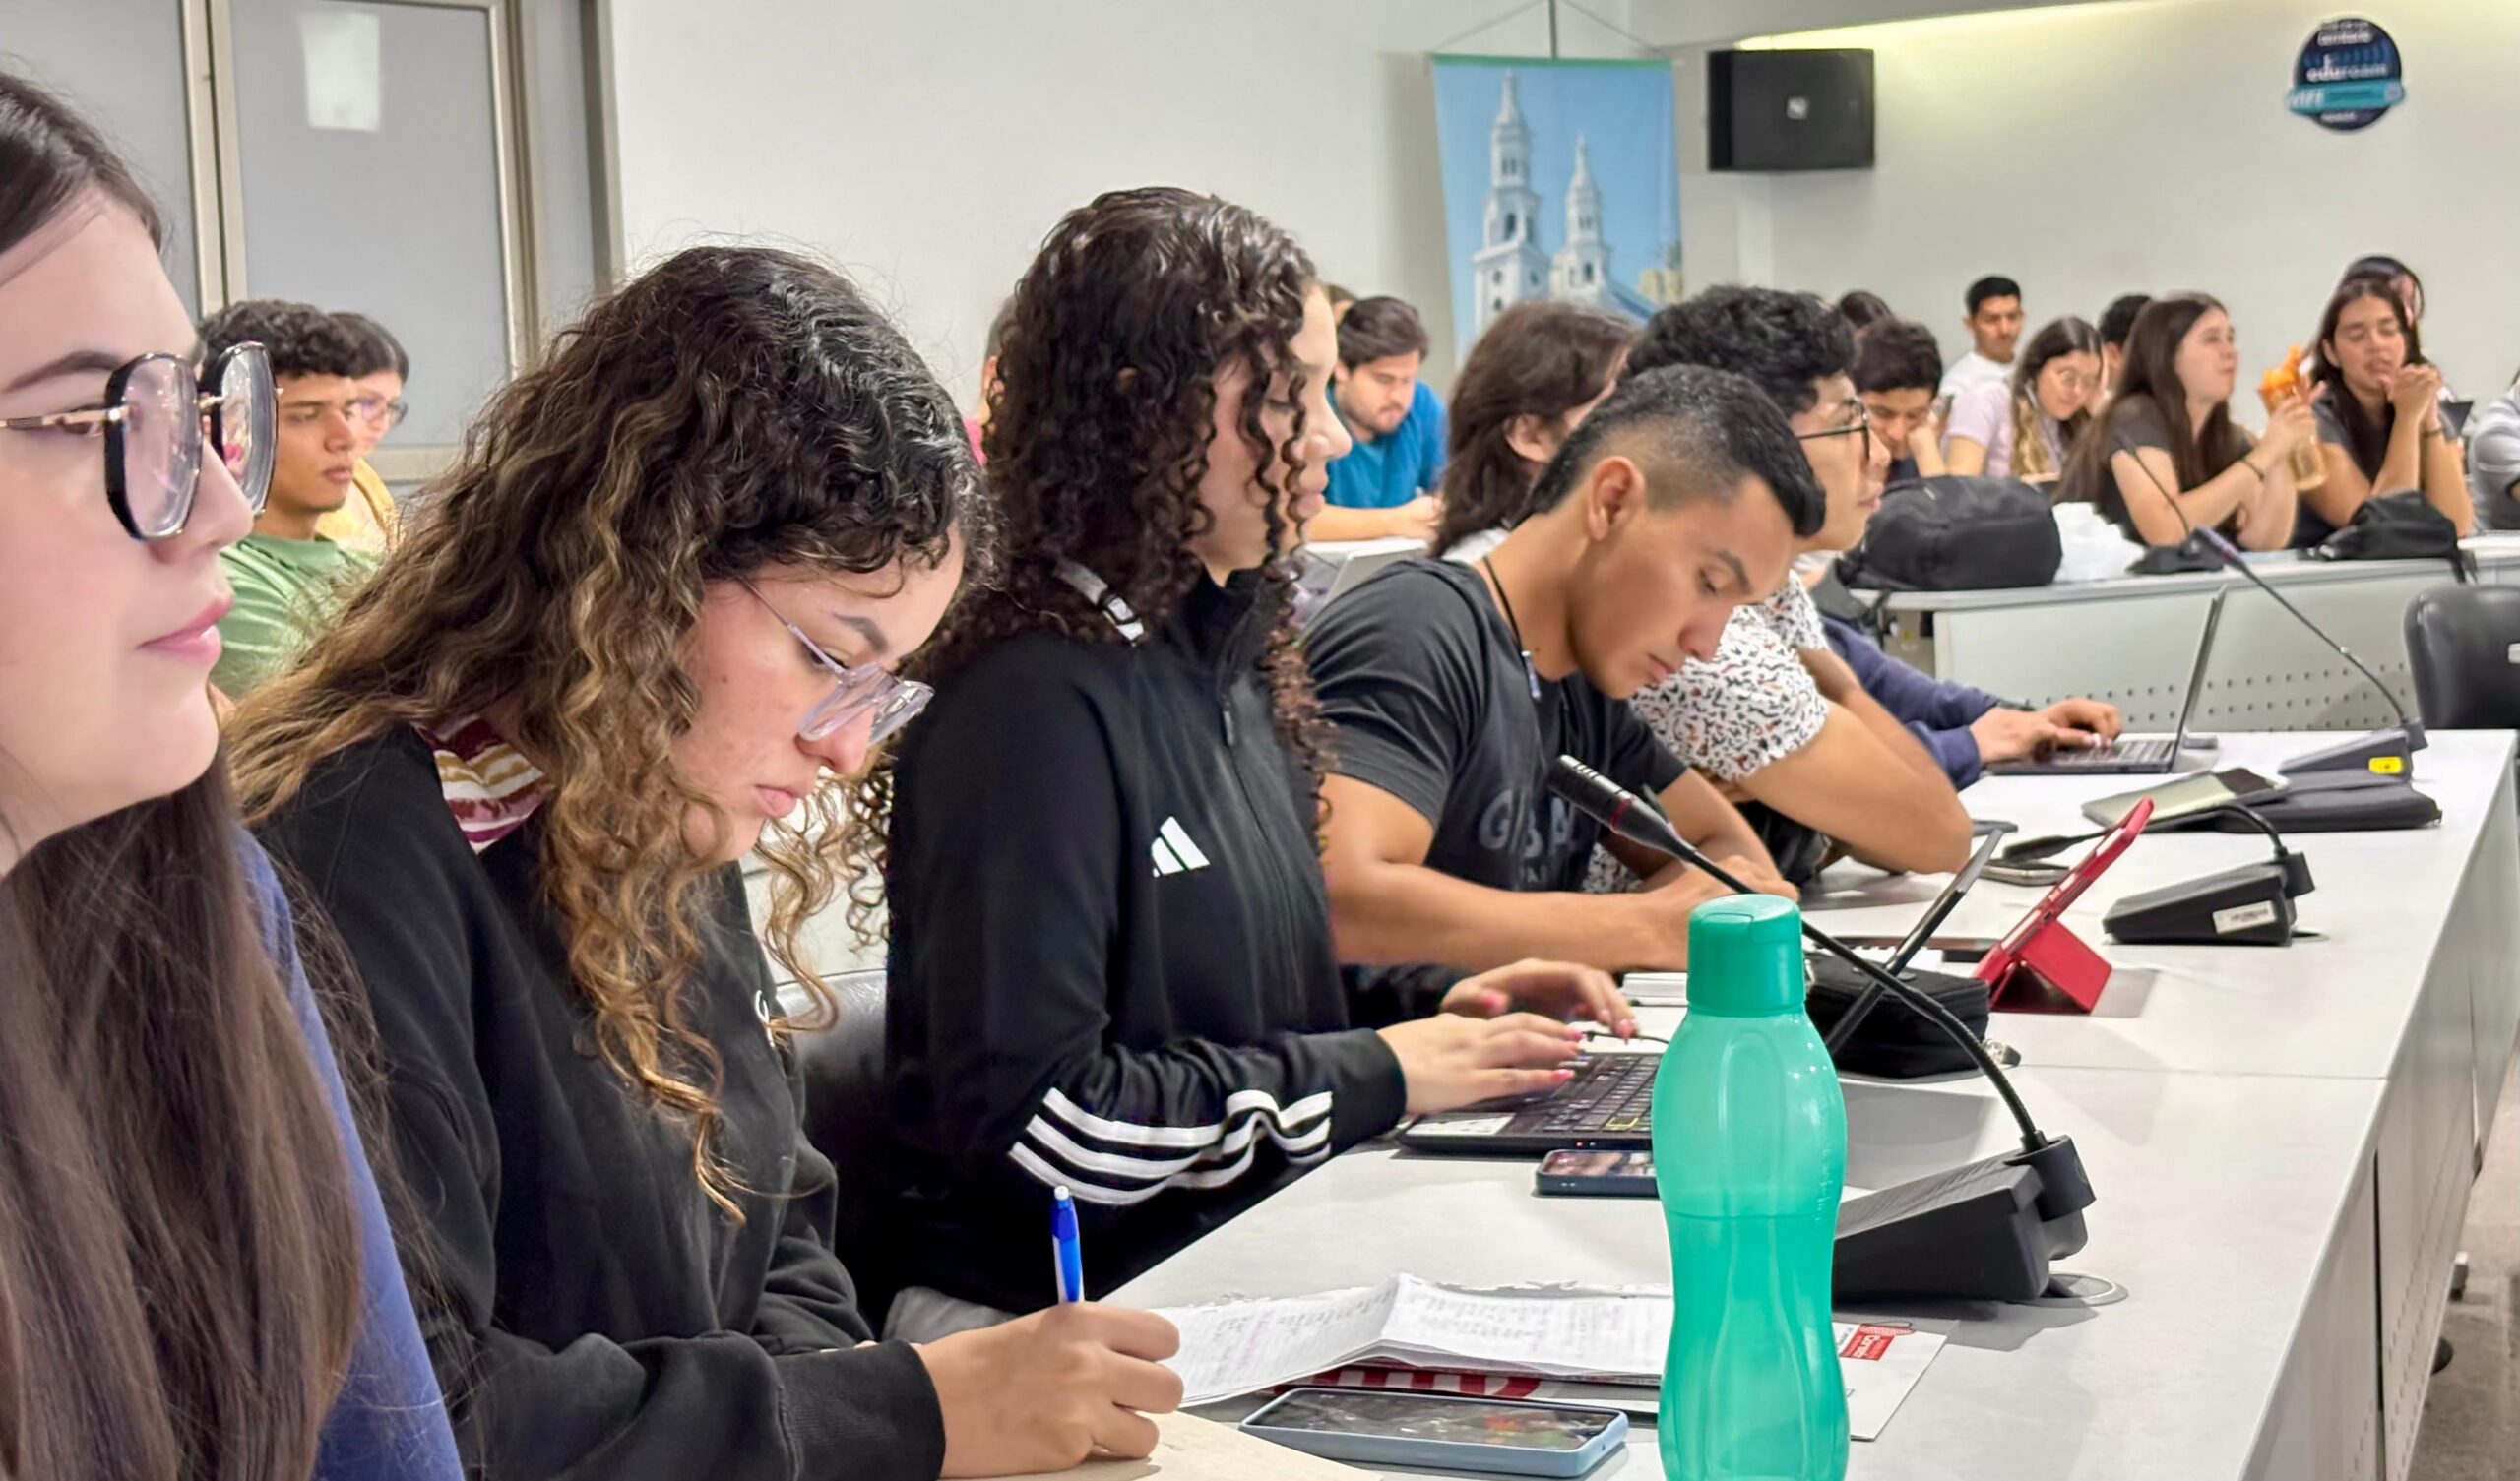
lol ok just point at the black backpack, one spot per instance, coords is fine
(1957, 535)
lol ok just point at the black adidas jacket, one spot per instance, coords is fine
(1112, 958)
(600, 1317)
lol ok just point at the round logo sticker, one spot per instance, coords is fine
(2347, 76)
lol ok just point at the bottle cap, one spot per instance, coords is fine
(1745, 957)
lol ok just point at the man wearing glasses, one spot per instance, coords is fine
(1775, 718)
(370, 521)
(286, 575)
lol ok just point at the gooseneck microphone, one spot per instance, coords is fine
(1988, 1230)
(2397, 742)
(2389, 750)
(1623, 813)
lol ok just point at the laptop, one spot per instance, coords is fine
(1329, 573)
(2138, 755)
(1610, 1103)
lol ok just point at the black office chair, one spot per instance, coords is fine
(2463, 643)
(845, 1120)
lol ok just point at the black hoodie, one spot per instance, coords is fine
(600, 1317)
(1111, 959)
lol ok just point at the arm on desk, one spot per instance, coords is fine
(1839, 686)
(1386, 906)
(1415, 520)
(1887, 803)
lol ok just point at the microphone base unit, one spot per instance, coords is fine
(2250, 905)
(2389, 751)
(1987, 1231)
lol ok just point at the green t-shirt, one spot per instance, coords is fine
(284, 590)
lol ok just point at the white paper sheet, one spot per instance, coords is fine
(1540, 1342)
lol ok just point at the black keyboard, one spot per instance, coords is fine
(1608, 1103)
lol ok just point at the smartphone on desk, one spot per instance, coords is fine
(1595, 1172)
(2186, 796)
(1440, 1430)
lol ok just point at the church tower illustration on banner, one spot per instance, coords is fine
(1583, 266)
(1510, 267)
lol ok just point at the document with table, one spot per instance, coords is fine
(1581, 1336)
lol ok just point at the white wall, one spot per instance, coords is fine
(2088, 151)
(929, 145)
(1691, 23)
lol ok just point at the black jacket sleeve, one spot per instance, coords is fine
(1009, 850)
(731, 1406)
(808, 1304)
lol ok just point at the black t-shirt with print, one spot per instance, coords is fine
(1420, 675)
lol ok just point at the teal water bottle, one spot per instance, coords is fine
(1749, 1153)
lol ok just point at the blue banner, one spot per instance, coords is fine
(1561, 181)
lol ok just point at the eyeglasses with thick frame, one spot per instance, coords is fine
(380, 413)
(892, 700)
(152, 448)
(1863, 423)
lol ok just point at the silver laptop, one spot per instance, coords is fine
(2138, 755)
(1323, 578)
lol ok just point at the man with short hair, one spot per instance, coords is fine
(1384, 485)
(1897, 368)
(1454, 687)
(286, 575)
(1994, 329)
(370, 519)
(1775, 716)
(1965, 730)
(2117, 322)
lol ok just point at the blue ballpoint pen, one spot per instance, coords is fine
(1067, 1252)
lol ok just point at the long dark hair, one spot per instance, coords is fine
(731, 407)
(1101, 421)
(2149, 377)
(2366, 437)
(2055, 340)
(179, 1287)
(1538, 359)
(2385, 267)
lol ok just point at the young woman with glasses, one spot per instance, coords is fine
(196, 1273)
(371, 520)
(2025, 425)
(658, 604)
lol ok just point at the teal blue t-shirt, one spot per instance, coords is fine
(1392, 470)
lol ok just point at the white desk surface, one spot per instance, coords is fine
(2337, 1006)
(2282, 568)
(2218, 1197)
(2225, 1100)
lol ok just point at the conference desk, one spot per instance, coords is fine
(2281, 1142)
(2130, 640)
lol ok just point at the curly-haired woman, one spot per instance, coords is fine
(663, 593)
(1112, 968)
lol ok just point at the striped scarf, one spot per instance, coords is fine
(489, 785)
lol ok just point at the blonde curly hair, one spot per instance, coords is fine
(734, 407)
